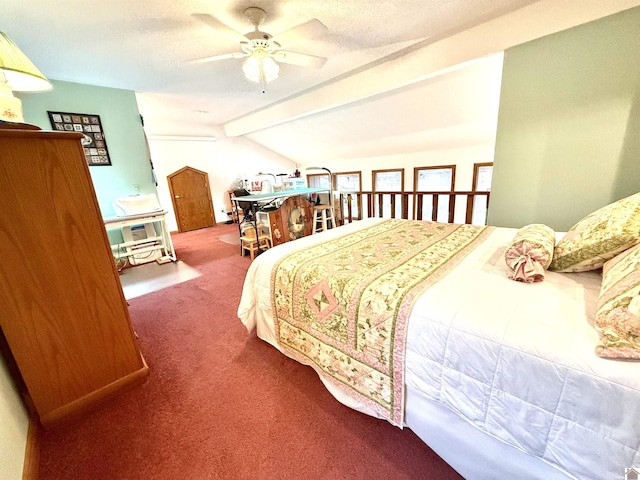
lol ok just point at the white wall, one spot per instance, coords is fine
(225, 160)
(15, 425)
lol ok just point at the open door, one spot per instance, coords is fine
(191, 198)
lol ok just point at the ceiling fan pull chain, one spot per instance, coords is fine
(263, 86)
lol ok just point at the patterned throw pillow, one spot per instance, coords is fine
(530, 253)
(599, 237)
(618, 313)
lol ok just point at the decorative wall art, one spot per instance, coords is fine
(93, 141)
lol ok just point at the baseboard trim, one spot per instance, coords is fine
(31, 466)
(91, 400)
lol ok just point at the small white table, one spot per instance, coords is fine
(162, 241)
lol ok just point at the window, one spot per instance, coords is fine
(439, 178)
(391, 180)
(388, 180)
(348, 181)
(345, 182)
(482, 174)
(320, 180)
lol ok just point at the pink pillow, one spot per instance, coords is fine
(530, 253)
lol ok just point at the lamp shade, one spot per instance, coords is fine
(260, 69)
(271, 69)
(20, 73)
(251, 69)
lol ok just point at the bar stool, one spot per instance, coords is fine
(323, 215)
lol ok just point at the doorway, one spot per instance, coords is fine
(191, 198)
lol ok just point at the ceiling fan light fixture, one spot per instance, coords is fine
(271, 69)
(261, 50)
(260, 70)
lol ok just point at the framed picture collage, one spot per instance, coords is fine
(93, 141)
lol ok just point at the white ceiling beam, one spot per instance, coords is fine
(534, 21)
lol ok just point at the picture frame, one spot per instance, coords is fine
(93, 141)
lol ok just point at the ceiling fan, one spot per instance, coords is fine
(262, 50)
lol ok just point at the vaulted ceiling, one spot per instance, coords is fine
(375, 93)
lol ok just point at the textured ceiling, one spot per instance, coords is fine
(146, 46)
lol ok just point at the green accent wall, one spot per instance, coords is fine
(568, 138)
(123, 131)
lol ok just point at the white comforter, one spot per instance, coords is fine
(514, 361)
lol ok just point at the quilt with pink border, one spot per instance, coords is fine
(343, 306)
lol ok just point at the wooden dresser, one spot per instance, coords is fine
(64, 319)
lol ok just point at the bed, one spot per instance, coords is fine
(498, 377)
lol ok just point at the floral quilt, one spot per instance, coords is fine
(343, 306)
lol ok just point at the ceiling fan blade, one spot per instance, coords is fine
(300, 59)
(220, 27)
(219, 57)
(309, 29)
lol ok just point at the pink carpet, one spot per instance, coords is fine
(221, 404)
